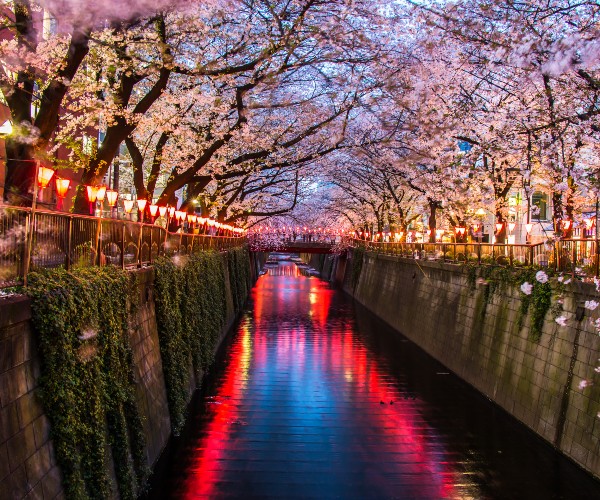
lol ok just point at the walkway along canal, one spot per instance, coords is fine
(314, 397)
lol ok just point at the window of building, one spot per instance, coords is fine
(539, 206)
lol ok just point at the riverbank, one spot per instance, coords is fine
(478, 328)
(33, 433)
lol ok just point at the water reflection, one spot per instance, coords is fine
(309, 404)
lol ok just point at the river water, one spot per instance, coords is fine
(314, 397)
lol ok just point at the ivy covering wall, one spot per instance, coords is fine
(537, 303)
(82, 319)
(191, 308)
(87, 382)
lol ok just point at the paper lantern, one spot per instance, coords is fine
(44, 176)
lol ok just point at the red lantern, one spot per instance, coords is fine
(44, 176)
(62, 186)
(101, 193)
(111, 197)
(92, 194)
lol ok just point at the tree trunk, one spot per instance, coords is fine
(433, 206)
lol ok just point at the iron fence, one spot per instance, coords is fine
(571, 256)
(53, 239)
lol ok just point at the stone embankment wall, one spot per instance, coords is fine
(28, 467)
(479, 337)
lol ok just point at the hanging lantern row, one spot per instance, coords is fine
(99, 193)
(298, 230)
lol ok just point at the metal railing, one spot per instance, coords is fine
(571, 256)
(53, 239)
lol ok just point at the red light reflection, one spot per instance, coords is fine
(317, 371)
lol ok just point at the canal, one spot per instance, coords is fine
(314, 397)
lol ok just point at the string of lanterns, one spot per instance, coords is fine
(97, 194)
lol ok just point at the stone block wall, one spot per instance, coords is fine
(435, 306)
(151, 392)
(28, 466)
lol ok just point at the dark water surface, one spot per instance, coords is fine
(313, 397)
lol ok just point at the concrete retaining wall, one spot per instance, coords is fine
(28, 466)
(435, 306)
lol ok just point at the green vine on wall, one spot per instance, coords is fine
(538, 302)
(191, 308)
(81, 319)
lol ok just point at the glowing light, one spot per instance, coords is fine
(62, 186)
(128, 206)
(499, 227)
(141, 204)
(511, 226)
(528, 228)
(44, 176)
(6, 128)
(111, 197)
(162, 211)
(101, 193)
(153, 210)
(92, 193)
(566, 224)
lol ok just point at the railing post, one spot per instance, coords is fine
(69, 243)
(123, 245)
(530, 252)
(573, 256)
(479, 254)
(28, 244)
(139, 248)
(510, 254)
(597, 258)
(98, 235)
